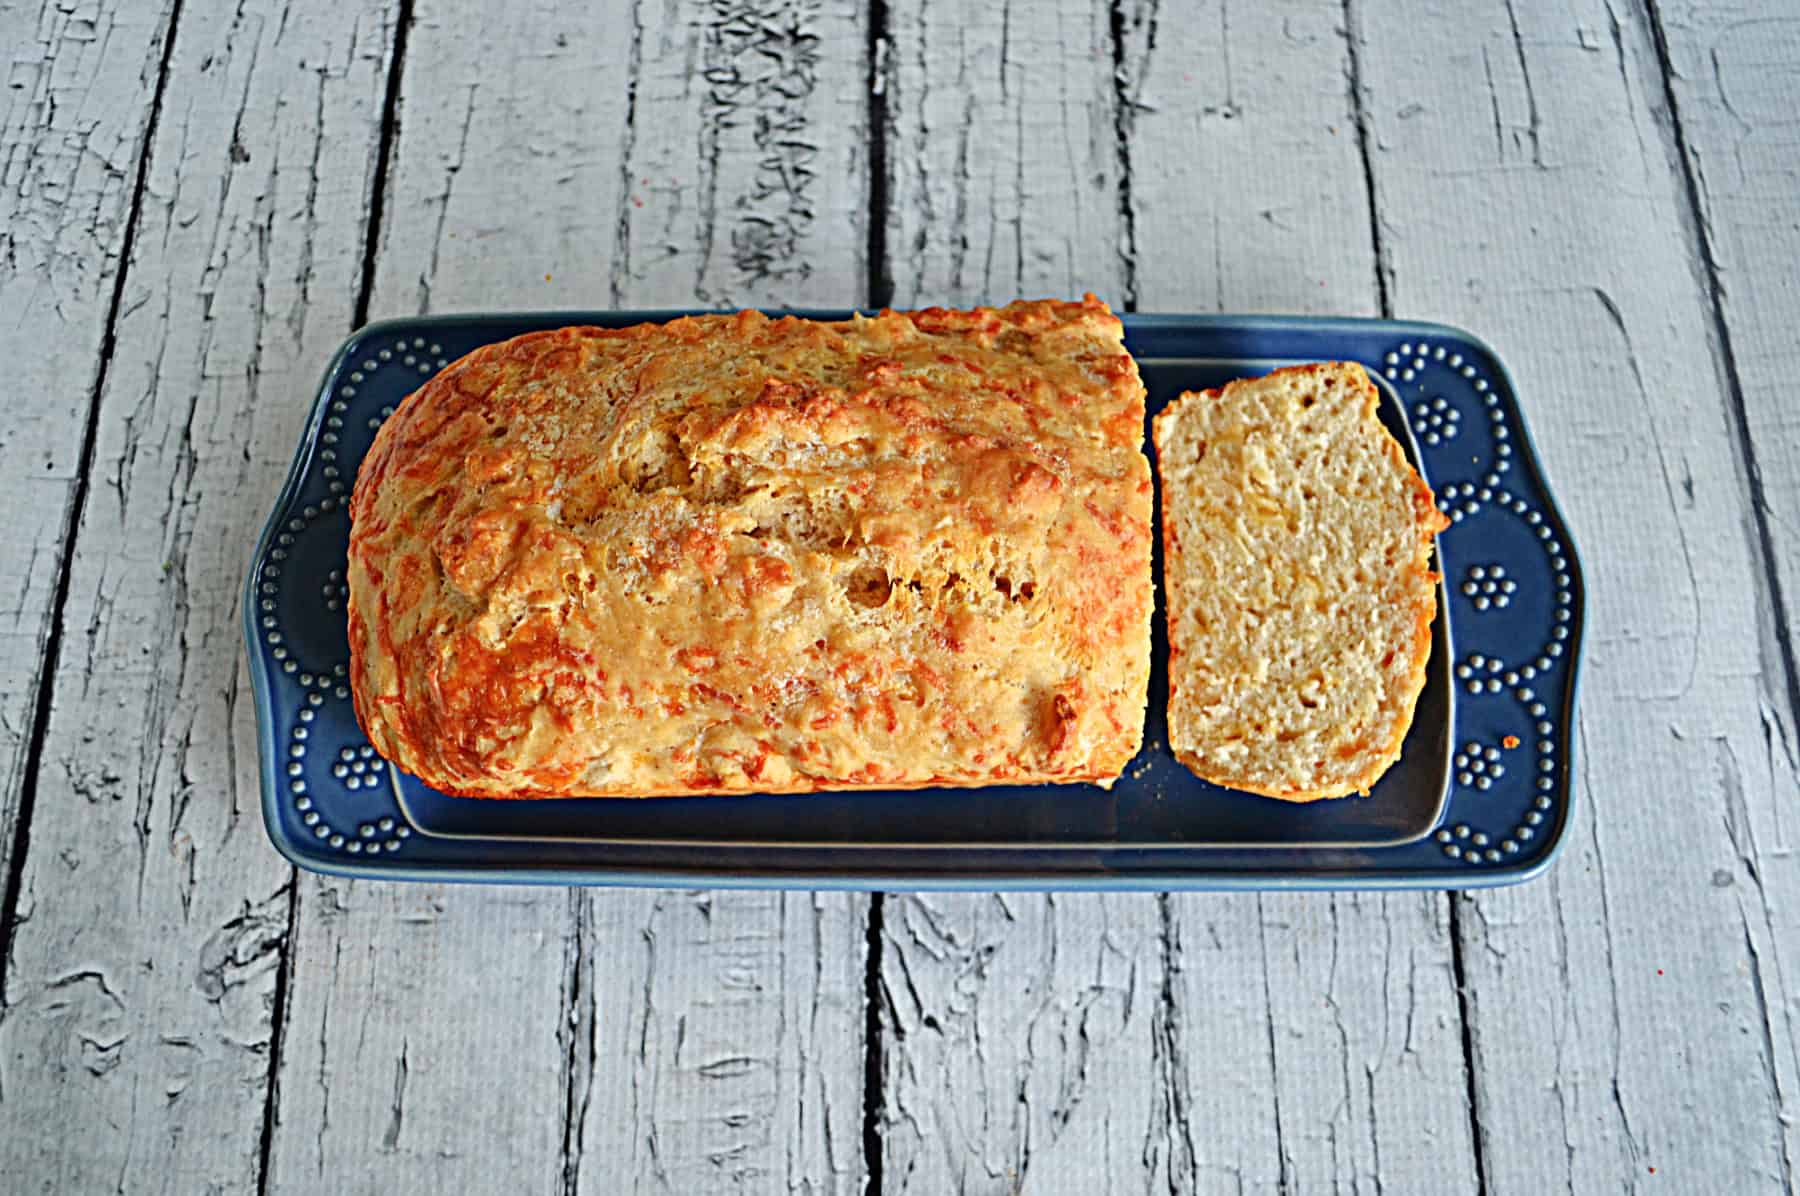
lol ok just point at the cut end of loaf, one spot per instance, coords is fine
(1297, 547)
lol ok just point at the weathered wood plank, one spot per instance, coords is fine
(136, 1029)
(504, 186)
(81, 83)
(649, 1041)
(1212, 231)
(1190, 1043)
(1016, 1043)
(424, 1038)
(1733, 72)
(719, 1043)
(745, 176)
(1618, 1007)
(1358, 1005)
(1003, 153)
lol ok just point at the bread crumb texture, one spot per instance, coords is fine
(1297, 547)
(740, 554)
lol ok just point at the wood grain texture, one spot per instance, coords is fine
(1619, 1007)
(424, 1040)
(1732, 72)
(727, 1025)
(504, 187)
(1003, 153)
(1214, 228)
(1189, 1043)
(1016, 1037)
(719, 1043)
(135, 1038)
(1357, 1003)
(81, 85)
(745, 176)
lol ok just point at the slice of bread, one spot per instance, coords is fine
(1296, 568)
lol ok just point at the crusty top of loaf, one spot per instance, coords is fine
(1297, 550)
(734, 553)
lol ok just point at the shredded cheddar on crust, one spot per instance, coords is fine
(738, 554)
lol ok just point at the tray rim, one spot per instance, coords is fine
(1444, 876)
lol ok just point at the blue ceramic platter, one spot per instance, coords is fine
(1461, 809)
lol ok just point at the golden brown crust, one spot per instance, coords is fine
(735, 554)
(1418, 583)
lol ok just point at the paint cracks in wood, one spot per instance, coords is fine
(1128, 85)
(102, 1038)
(921, 1015)
(1738, 829)
(1775, 732)
(309, 221)
(241, 948)
(1633, 1148)
(278, 1010)
(1561, 920)
(1343, 1034)
(920, 159)
(323, 1127)
(1460, 979)
(647, 1011)
(1618, 41)
(576, 1034)
(1768, 1043)
(442, 200)
(1374, 1129)
(173, 625)
(1171, 1116)
(880, 283)
(384, 153)
(622, 230)
(52, 654)
(817, 942)
(1696, 638)
(1531, 107)
(1487, 71)
(230, 698)
(959, 212)
(1770, 600)
(1359, 114)
(390, 1137)
(761, 68)
(1285, 1166)
(874, 1003)
(1122, 121)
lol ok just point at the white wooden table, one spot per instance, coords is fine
(200, 198)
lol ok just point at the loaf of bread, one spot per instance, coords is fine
(1296, 565)
(733, 554)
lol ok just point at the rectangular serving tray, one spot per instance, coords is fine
(1480, 796)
